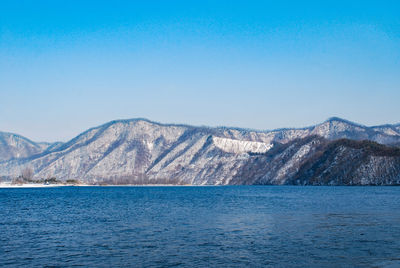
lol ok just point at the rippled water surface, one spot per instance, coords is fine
(200, 226)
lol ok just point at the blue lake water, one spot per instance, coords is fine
(238, 226)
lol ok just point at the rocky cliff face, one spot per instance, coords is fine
(141, 151)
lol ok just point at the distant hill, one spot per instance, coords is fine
(142, 151)
(15, 146)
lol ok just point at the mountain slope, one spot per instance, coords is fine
(317, 161)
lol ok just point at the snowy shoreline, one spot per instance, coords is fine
(37, 185)
(31, 185)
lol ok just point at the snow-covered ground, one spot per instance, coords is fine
(34, 185)
(241, 146)
(38, 185)
(26, 185)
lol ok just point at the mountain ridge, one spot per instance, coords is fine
(330, 119)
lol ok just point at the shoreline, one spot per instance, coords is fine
(34, 185)
(30, 185)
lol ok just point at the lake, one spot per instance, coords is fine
(233, 226)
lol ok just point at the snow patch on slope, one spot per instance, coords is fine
(240, 146)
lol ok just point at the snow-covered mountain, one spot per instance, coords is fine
(16, 146)
(140, 150)
(336, 128)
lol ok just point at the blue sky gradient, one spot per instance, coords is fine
(66, 66)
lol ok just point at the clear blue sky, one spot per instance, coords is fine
(66, 66)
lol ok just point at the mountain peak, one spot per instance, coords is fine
(338, 119)
(344, 121)
(139, 119)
